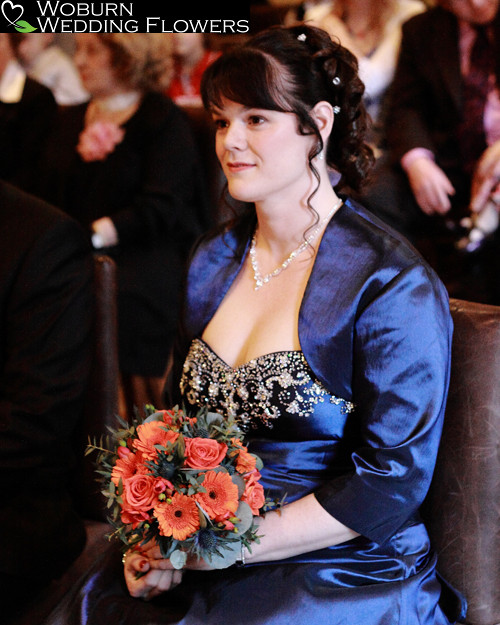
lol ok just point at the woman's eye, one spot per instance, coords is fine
(256, 120)
(220, 124)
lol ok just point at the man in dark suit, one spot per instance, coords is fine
(46, 313)
(430, 180)
(27, 113)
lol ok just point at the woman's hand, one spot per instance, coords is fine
(148, 574)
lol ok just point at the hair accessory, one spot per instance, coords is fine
(302, 37)
(336, 81)
(336, 109)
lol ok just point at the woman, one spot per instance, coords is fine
(192, 55)
(372, 31)
(297, 319)
(125, 165)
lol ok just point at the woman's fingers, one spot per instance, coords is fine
(158, 581)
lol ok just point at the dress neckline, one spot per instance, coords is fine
(252, 361)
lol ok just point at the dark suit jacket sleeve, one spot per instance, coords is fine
(424, 103)
(46, 323)
(31, 121)
(46, 312)
(409, 99)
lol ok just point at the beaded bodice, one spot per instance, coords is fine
(259, 391)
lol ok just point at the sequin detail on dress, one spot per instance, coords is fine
(258, 391)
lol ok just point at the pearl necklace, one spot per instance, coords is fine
(260, 280)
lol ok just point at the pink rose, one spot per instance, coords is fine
(204, 453)
(98, 140)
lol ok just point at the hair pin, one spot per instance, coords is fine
(336, 109)
(302, 37)
(336, 80)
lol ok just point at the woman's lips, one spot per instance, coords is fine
(236, 166)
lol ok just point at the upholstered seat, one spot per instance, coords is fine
(463, 507)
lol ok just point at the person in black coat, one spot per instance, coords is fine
(46, 314)
(27, 110)
(429, 183)
(126, 166)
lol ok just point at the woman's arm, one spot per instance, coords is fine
(299, 527)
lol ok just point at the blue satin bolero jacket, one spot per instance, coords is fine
(375, 328)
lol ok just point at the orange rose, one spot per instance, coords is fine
(140, 492)
(221, 494)
(178, 517)
(254, 492)
(133, 517)
(168, 416)
(151, 434)
(204, 453)
(245, 463)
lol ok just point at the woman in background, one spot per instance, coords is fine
(371, 29)
(192, 55)
(125, 165)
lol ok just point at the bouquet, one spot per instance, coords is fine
(186, 482)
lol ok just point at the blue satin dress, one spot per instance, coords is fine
(355, 417)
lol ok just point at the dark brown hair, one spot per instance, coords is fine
(291, 70)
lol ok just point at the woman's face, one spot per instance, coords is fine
(93, 60)
(262, 154)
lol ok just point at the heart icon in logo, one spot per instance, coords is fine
(12, 10)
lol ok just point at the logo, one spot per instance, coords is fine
(13, 13)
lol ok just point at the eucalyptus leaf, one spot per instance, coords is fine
(178, 559)
(229, 554)
(156, 416)
(245, 516)
(240, 483)
(213, 417)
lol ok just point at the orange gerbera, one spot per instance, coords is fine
(221, 494)
(178, 517)
(151, 434)
(126, 466)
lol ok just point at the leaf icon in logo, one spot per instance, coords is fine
(24, 27)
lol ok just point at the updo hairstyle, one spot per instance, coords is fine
(291, 69)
